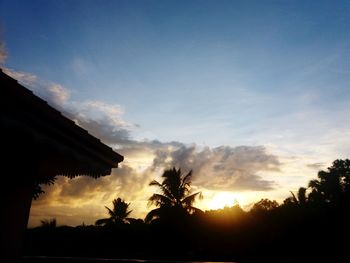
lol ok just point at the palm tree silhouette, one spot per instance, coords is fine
(118, 214)
(299, 200)
(49, 223)
(301, 197)
(175, 198)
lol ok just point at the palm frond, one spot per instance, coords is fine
(163, 188)
(295, 200)
(186, 179)
(110, 211)
(127, 214)
(189, 200)
(314, 183)
(175, 198)
(155, 183)
(172, 182)
(302, 195)
(155, 213)
(160, 200)
(192, 209)
(185, 186)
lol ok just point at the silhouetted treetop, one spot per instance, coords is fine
(297, 200)
(264, 205)
(333, 185)
(310, 219)
(175, 195)
(48, 223)
(118, 214)
(38, 185)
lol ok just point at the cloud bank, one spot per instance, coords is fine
(223, 168)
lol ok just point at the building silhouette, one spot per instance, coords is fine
(39, 143)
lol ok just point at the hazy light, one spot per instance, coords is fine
(222, 199)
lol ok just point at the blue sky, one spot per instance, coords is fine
(204, 63)
(209, 73)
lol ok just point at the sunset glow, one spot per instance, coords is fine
(222, 199)
(252, 96)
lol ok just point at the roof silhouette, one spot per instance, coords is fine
(75, 151)
(39, 143)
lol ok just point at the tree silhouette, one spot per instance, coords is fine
(175, 198)
(264, 205)
(297, 200)
(294, 231)
(333, 185)
(48, 223)
(118, 214)
(37, 191)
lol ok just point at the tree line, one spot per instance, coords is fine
(311, 224)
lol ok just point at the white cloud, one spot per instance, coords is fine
(60, 95)
(55, 94)
(25, 78)
(100, 119)
(98, 110)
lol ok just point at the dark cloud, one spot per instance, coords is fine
(222, 168)
(106, 131)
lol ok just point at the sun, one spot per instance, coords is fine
(222, 199)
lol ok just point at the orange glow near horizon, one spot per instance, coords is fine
(219, 200)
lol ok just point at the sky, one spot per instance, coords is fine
(253, 96)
